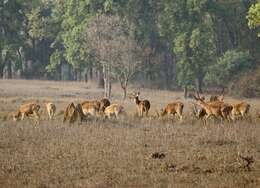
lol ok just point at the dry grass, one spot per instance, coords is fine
(129, 152)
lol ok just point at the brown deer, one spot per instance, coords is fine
(71, 113)
(217, 97)
(88, 108)
(240, 110)
(173, 108)
(51, 109)
(143, 106)
(103, 104)
(216, 109)
(28, 109)
(114, 110)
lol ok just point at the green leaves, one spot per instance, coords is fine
(254, 17)
(229, 66)
(55, 61)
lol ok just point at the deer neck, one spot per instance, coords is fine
(137, 101)
(203, 105)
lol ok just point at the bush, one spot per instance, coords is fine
(248, 85)
(231, 64)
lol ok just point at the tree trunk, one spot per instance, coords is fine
(124, 93)
(101, 79)
(185, 92)
(199, 83)
(90, 72)
(109, 88)
(2, 70)
(86, 76)
(124, 83)
(109, 83)
(80, 74)
(105, 78)
(9, 70)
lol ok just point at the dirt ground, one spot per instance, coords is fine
(129, 152)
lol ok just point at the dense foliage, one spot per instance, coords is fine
(165, 44)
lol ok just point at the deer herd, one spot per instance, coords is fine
(216, 107)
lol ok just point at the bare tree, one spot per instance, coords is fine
(128, 61)
(109, 39)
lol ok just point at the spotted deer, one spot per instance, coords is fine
(217, 109)
(51, 109)
(240, 110)
(71, 113)
(27, 110)
(142, 106)
(173, 108)
(114, 110)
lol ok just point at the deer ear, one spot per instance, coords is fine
(138, 93)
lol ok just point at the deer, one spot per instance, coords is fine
(71, 113)
(216, 109)
(241, 109)
(114, 110)
(103, 104)
(142, 106)
(173, 108)
(28, 109)
(88, 108)
(217, 97)
(51, 109)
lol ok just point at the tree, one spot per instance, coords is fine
(254, 17)
(229, 67)
(127, 62)
(111, 43)
(190, 31)
(11, 20)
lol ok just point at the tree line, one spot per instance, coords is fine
(178, 44)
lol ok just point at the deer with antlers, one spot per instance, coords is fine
(217, 97)
(143, 106)
(217, 109)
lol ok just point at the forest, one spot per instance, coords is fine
(165, 44)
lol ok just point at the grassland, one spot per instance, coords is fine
(128, 152)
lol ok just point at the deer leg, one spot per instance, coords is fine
(181, 118)
(207, 117)
(146, 113)
(116, 115)
(36, 115)
(50, 115)
(22, 116)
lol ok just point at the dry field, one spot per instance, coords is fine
(128, 152)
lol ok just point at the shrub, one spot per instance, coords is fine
(248, 85)
(229, 66)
